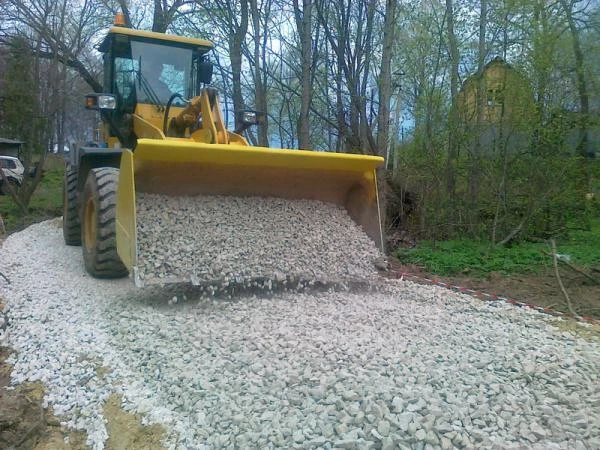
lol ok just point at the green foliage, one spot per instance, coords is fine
(20, 111)
(19, 101)
(478, 258)
(506, 170)
(473, 257)
(46, 203)
(527, 187)
(26, 111)
(583, 245)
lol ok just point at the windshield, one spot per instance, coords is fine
(156, 71)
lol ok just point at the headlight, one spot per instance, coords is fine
(249, 117)
(107, 102)
(100, 101)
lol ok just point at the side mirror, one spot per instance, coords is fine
(100, 102)
(205, 71)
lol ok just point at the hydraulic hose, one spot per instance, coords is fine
(168, 108)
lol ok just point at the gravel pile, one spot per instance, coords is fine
(407, 367)
(243, 239)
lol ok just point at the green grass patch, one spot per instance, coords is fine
(479, 258)
(583, 246)
(46, 202)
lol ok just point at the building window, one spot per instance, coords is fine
(495, 97)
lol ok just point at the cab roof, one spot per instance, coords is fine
(159, 38)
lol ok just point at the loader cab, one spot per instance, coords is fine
(143, 70)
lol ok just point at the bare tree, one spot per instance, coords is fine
(304, 25)
(348, 27)
(231, 18)
(385, 78)
(260, 18)
(65, 31)
(582, 89)
(453, 119)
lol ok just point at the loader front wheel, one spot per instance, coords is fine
(98, 225)
(71, 225)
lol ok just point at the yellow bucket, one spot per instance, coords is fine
(180, 167)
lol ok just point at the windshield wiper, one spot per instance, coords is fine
(147, 88)
(150, 93)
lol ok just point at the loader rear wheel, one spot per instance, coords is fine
(71, 224)
(98, 225)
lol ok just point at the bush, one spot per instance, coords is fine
(518, 194)
(46, 203)
(479, 258)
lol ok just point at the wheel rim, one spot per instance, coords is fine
(90, 225)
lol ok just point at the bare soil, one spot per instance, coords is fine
(541, 289)
(26, 425)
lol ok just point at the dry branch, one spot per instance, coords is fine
(560, 283)
(575, 268)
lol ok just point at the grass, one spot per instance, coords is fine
(46, 202)
(478, 259)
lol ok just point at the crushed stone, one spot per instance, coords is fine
(404, 366)
(245, 239)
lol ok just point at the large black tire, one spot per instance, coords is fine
(71, 224)
(98, 233)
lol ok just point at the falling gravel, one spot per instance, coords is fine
(246, 238)
(409, 366)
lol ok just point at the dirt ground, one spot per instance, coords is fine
(26, 425)
(538, 289)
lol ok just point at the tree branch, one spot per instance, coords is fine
(74, 64)
(560, 283)
(575, 268)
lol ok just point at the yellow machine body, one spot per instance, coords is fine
(207, 159)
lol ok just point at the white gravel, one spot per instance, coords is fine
(408, 367)
(248, 238)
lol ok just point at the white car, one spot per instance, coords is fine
(14, 171)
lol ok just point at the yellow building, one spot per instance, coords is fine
(506, 97)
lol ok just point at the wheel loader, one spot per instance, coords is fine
(163, 132)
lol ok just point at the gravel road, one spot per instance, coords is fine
(409, 366)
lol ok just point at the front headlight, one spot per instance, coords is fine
(249, 117)
(101, 101)
(107, 102)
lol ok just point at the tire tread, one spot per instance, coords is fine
(71, 223)
(104, 261)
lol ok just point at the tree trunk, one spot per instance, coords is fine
(304, 26)
(126, 13)
(367, 143)
(453, 119)
(236, 42)
(159, 24)
(476, 150)
(385, 79)
(260, 94)
(163, 14)
(584, 101)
